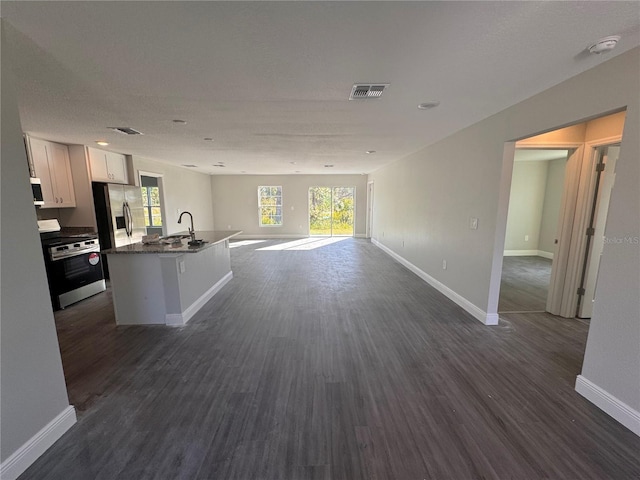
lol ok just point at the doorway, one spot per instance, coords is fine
(534, 208)
(592, 148)
(331, 211)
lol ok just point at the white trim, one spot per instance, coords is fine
(179, 319)
(33, 448)
(609, 404)
(521, 253)
(487, 319)
(360, 235)
(528, 253)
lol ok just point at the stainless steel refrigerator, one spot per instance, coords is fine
(119, 216)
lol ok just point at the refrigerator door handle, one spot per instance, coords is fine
(127, 216)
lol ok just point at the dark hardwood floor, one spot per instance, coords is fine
(330, 363)
(525, 284)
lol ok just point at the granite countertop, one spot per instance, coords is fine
(211, 238)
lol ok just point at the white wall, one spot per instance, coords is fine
(235, 199)
(423, 204)
(182, 189)
(526, 202)
(32, 381)
(552, 202)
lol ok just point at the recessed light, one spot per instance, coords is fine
(179, 122)
(208, 139)
(328, 166)
(370, 152)
(428, 105)
(102, 143)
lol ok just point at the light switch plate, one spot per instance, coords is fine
(473, 223)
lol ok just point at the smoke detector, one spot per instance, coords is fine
(364, 91)
(605, 44)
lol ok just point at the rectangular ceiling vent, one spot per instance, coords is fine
(125, 130)
(360, 91)
(189, 165)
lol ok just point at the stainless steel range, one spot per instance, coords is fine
(73, 264)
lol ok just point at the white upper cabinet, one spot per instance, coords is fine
(51, 164)
(107, 166)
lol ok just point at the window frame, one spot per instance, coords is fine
(261, 206)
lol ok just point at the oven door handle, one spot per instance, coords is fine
(55, 257)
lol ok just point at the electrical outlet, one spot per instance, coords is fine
(228, 227)
(183, 268)
(178, 211)
(526, 238)
(444, 264)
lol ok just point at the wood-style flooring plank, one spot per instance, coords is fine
(329, 363)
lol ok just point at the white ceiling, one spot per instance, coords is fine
(270, 81)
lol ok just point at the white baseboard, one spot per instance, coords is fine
(609, 404)
(28, 453)
(360, 235)
(528, 253)
(179, 319)
(484, 317)
(521, 253)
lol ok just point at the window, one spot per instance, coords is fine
(151, 203)
(270, 206)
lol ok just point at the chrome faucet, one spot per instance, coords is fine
(192, 232)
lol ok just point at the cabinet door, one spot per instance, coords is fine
(117, 167)
(60, 170)
(39, 157)
(98, 164)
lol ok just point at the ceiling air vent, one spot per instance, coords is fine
(359, 91)
(125, 130)
(189, 165)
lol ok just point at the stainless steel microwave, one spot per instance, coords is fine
(36, 188)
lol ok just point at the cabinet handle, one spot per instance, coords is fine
(56, 199)
(61, 200)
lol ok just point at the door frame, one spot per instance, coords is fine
(369, 226)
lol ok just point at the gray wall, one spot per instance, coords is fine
(425, 200)
(182, 189)
(526, 203)
(32, 382)
(552, 203)
(235, 200)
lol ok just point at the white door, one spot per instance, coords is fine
(561, 254)
(609, 156)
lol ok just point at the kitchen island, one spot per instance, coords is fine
(167, 283)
